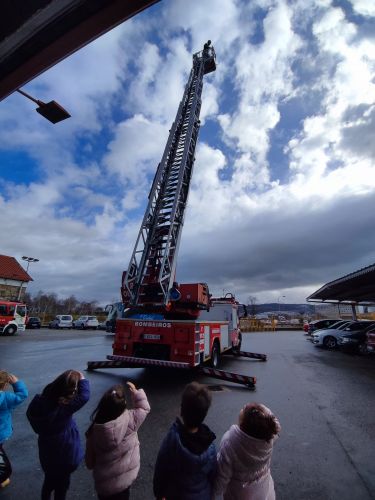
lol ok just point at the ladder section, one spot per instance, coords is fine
(152, 266)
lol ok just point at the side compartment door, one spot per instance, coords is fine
(207, 343)
(224, 336)
(234, 318)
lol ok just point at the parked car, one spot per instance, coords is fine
(62, 321)
(320, 324)
(329, 337)
(33, 322)
(84, 322)
(356, 341)
(334, 326)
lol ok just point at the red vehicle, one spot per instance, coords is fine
(182, 342)
(160, 322)
(12, 317)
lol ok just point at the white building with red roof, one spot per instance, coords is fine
(13, 278)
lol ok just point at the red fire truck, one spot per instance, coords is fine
(188, 341)
(12, 317)
(160, 322)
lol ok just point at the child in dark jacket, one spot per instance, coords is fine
(8, 401)
(244, 457)
(186, 464)
(51, 416)
(112, 446)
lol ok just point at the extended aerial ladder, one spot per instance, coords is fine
(152, 266)
(153, 327)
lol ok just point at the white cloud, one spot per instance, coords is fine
(159, 83)
(275, 190)
(205, 20)
(364, 7)
(136, 149)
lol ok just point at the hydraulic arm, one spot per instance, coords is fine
(151, 271)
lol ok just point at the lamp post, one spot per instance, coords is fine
(50, 110)
(28, 260)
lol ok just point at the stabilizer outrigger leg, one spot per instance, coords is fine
(231, 377)
(253, 355)
(115, 361)
(130, 362)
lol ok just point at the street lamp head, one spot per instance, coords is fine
(52, 110)
(30, 259)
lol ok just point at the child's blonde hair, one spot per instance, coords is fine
(4, 379)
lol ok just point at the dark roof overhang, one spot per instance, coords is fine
(354, 288)
(35, 35)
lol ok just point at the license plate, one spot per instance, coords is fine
(151, 336)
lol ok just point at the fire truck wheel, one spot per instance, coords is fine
(237, 348)
(11, 330)
(215, 355)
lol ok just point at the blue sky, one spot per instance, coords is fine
(283, 189)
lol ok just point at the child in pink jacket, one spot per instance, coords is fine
(112, 446)
(244, 457)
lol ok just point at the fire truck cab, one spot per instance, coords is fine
(12, 317)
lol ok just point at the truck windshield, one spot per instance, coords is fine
(21, 310)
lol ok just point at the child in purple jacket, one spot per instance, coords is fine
(244, 457)
(51, 416)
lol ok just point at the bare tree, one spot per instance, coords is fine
(252, 305)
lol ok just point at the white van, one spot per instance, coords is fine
(62, 321)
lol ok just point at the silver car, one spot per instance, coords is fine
(62, 321)
(328, 337)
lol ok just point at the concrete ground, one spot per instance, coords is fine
(324, 400)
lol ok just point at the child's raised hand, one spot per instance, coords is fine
(12, 379)
(131, 386)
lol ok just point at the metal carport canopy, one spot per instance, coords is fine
(355, 288)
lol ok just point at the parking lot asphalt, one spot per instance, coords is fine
(324, 400)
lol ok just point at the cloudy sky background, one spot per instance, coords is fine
(283, 191)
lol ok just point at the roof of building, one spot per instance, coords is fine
(36, 35)
(11, 269)
(356, 288)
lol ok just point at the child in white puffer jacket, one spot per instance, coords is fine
(112, 445)
(244, 457)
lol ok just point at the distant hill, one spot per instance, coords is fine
(275, 307)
